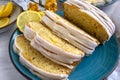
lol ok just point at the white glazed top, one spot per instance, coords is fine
(30, 34)
(64, 29)
(50, 51)
(34, 69)
(54, 57)
(96, 13)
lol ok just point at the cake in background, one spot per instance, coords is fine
(89, 18)
(98, 2)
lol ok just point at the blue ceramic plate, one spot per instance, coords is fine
(100, 6)
(94, 67)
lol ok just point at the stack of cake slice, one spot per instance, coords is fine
(37, 63)
(52, 48)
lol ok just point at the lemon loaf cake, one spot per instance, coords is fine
(37, 63)
(89, 18)
(51, 46)
(69, 32)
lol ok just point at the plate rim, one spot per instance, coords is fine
(27, 77)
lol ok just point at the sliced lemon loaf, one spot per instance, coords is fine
(69, 32)
(37, 63)
(89, 18)
(51, 46)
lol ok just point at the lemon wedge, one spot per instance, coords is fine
(26, 17)
(4, 22)
(7, 10)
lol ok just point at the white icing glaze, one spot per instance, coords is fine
(55, 49)
(37, 74)
(76, 37)
(47, 74)
(72, 30)
(52, 59)
(47, 45)
(36, 45)
(97, 14)
(29, 33)
(33, 67)
(15, 48)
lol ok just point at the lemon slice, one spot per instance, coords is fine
(4, 22)
(7, 10)
(26, 17)
(2, 7)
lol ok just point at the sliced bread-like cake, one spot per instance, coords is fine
(52, 46)
(37, 63)
(71, 33)
(89, 18)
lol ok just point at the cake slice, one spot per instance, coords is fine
(37, 63)
(52, 46)
(69, 32)
(89, 18)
